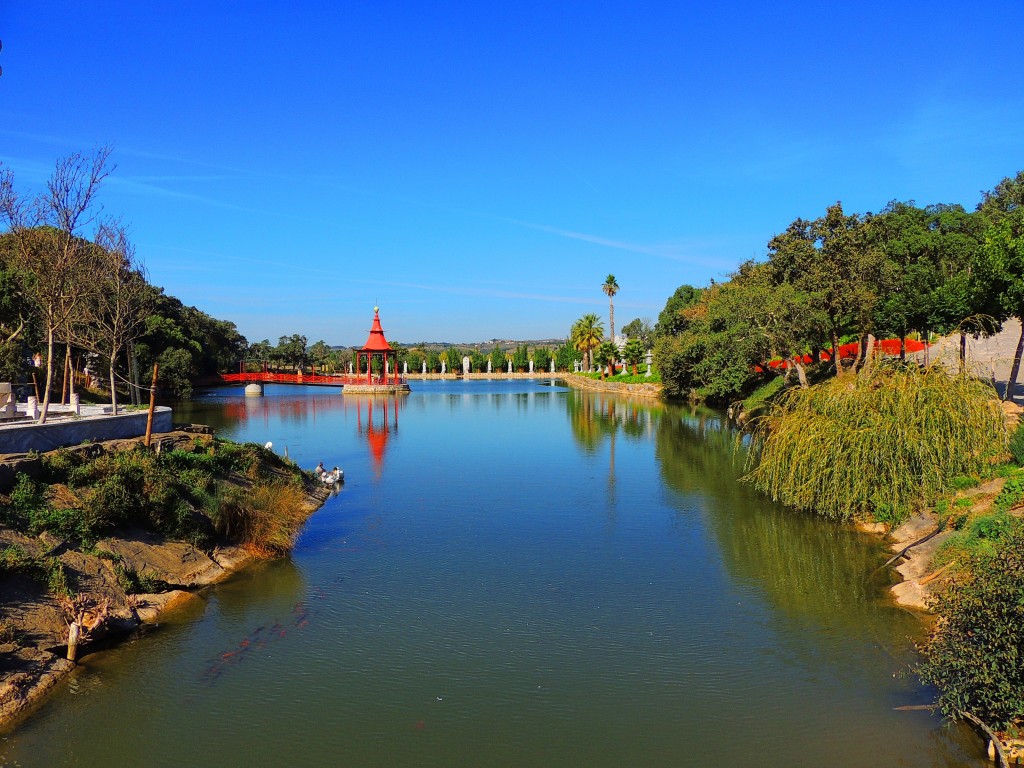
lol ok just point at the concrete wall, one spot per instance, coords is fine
(22, 438)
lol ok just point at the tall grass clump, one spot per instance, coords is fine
(265, 519)
(879, 443)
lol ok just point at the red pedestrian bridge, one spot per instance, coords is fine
(302, 379)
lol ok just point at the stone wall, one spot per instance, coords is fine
(608, 385)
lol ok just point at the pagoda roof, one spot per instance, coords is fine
(376, 342)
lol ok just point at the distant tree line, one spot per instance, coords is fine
(907, 270)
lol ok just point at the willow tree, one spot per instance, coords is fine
(50, 248)
(610, 288)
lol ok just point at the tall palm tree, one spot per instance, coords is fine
(586, 336)
(611, 287)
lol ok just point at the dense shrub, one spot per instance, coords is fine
(974, 655)
(881, 442)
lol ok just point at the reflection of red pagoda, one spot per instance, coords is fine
(378, 427)
(376, 346)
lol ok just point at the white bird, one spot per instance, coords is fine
(269, 446)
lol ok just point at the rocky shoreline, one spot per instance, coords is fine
(35, 621)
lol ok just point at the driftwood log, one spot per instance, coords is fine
(911, 545)
(994, 741)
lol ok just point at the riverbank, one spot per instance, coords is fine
(918, 540)
(112, 581)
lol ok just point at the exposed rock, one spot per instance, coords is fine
(176, 563)
(917, 562)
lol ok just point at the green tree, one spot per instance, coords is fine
(834, 263)
(606, 354)
(671, 319)
(259, 352)
(541, 358)
(498, 359)
(1003, 255)
(586, 335)
(292, 350)
(565, 356)
(634, 352)
(320, 354)
(521, 358)
(433, 362)
(477, 361)
(453, 359)
(640, 330)
(610, 288)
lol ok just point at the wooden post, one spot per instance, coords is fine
(152, 406)
(64, 392)
(74, 632)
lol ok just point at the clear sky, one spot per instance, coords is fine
(477, 169)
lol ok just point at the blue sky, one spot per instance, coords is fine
(477, 169)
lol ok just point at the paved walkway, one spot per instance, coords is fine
(989, 358)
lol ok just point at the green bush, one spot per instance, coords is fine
(58, 465)
(974, 653)
(1017, 444)
(881, 442)
(1011, 495)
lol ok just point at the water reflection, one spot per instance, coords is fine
(376, 422)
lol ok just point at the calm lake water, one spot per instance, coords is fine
(514, 574)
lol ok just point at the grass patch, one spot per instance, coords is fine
(880, 443)
(49, 572)
(265, 519)
(181, 494)
(758, 400)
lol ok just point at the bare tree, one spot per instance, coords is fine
(48, 229)
(114, 315)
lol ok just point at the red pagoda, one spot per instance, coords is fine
(376, 346)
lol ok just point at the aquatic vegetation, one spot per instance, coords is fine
(880, 443)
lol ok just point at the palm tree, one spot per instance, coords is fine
(586, 336)
(634, 353)
(611, 287)
(606, 356)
